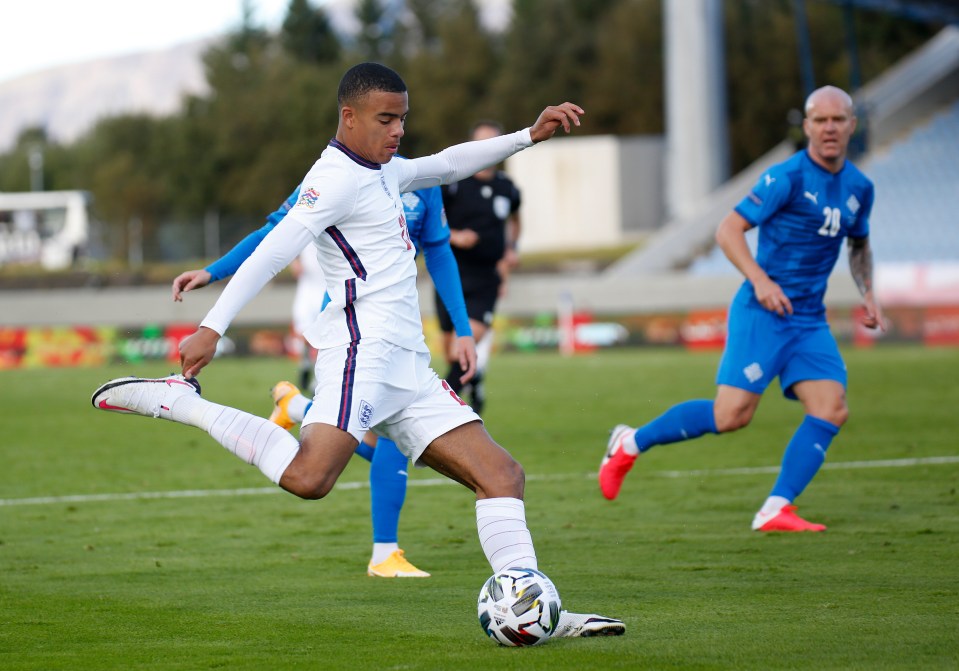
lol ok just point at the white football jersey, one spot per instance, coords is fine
(353, 209)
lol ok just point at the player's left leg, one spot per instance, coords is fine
(458, 446)
(816, 376)
(468, 455)
(388, 478)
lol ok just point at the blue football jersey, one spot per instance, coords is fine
(425, 217)
(804, 212)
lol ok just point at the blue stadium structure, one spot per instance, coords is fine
(917, 199)
(917, 194)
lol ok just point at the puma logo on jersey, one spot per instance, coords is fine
(769, 179)
(814, 197)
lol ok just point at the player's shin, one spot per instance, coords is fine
(388, 478)
(506, 540)
(803, 457)
(253, 439)
(683, 421)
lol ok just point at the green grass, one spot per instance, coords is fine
(266, 581)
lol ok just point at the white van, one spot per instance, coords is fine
(46, 227)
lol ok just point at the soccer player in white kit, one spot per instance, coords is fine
(372, 364)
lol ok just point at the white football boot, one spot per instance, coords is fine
(143, 396)
(572, 625)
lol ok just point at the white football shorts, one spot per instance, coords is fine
(374, 384)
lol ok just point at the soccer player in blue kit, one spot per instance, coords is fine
(429, 232)
(804, 207)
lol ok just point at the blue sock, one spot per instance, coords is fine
(681, 422)
(365, 451)
(387, 490)
(362, 450)
(803, 457)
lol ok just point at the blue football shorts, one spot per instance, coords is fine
(761, 345)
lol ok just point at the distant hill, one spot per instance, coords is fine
(69, 99)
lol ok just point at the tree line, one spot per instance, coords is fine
(235, 152)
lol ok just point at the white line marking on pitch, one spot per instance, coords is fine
(432, 482)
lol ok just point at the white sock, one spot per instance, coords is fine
(483, 350)
(297, 407)
(773, 505)
(253, 439)
(506, 540)
(382, 551)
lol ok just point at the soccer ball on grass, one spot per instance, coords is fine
(519, 607)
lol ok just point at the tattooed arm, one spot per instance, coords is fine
(860, 264)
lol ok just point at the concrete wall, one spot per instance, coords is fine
(528, 295)
(588, 191)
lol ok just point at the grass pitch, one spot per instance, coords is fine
(128, 543)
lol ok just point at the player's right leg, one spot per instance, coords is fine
(388, 478)
(289, 404)
(684, 421)
(751, 359)
(324, 452)
(307, 468)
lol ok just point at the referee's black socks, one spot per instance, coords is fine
(453, 377)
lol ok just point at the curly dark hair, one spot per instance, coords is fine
(365, 78)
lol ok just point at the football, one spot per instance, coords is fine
(519, 607)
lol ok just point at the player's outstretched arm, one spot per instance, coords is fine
(552, 118)
(467, 158)
(188, 281)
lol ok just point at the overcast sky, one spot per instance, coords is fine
(37, 34)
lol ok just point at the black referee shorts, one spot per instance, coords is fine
(480, 304)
